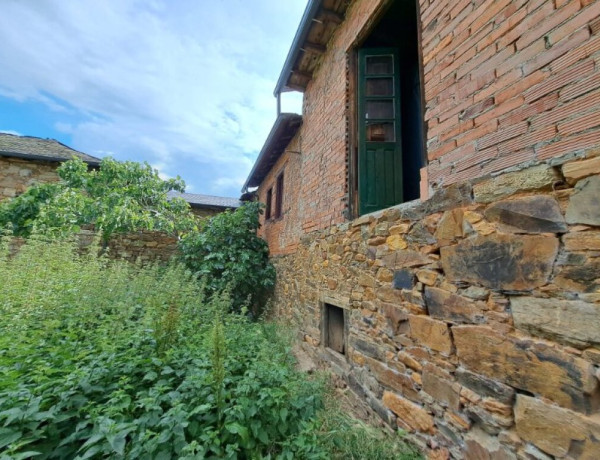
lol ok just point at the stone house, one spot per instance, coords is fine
(26, 160)
(434, 217)
(207, 205)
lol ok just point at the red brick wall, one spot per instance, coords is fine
(508, 82)
(283, 234)
(315, 196)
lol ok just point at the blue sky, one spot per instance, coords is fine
(185, 85)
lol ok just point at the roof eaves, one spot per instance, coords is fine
(285, 123)
(28, 156)
(301, 34)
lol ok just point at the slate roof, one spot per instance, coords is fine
(35, 148)
(206, 201)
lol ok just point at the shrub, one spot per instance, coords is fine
(111, 360)
(104, 359)
(228, 254)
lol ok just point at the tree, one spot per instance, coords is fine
(117, 197)
(229, 255)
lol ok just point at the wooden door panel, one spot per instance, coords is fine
(379, 140)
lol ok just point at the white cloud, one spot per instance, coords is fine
(186, 85)
(8, 131)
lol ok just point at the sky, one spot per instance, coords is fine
(186, 85)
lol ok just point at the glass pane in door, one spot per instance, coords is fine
(380, 86)
(379, 109)
(380, 131)
(380, 65)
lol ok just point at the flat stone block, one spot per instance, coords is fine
(557, 431)
(532, 214)
(501, 261)
(571, 322)
(528, 365)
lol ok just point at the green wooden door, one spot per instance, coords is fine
(379, 142)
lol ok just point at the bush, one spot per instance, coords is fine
(105, 360)
(228, 254)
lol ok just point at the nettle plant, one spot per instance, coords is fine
(110, 360)
(117, 197)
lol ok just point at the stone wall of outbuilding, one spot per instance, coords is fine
(17, 175)
(473, 318)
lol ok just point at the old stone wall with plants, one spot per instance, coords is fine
(471, 318)
(141, 247)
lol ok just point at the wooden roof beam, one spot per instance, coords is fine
(313, 47)
(331, 16)
(294, 87)
(301, 73)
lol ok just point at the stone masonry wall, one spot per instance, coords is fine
(18, 175)
(140, 247)
(143, 247)
(472, 318)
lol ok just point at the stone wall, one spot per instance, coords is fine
(205, 212)
(472, 319)
(141, 247)
(17, 175)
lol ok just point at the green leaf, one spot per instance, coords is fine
(8, 436)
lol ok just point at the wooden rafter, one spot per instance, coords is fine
(331, 16)
(313, 47)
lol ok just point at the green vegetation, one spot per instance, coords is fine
(110, 360)
(103, 359)
(126, 196)
(228, 254)
(118, 197)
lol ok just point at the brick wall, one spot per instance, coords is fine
(508, 82)
(18, 175)
(283, 234)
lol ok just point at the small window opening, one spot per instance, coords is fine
(334, 328)
(268, 203)
(279, 197)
